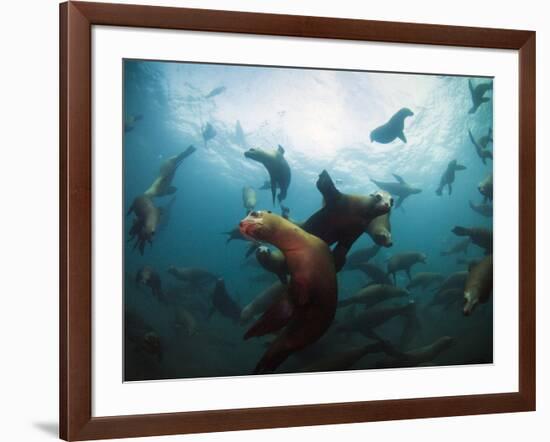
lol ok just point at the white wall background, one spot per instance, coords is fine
(29, 220)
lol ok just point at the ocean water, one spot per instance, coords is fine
(323, 119)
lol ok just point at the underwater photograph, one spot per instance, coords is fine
(294, 220)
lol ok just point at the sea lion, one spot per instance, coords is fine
(393, 128)
(277, 167)
(486, 139)
(379, 229)
(454, 280)
(477, 94)
(367, 321)
(249, 198)
(484, 209)
(480, 236)
(400, 189)
(346, 359)
(309, 308)
(223, 303)
(162, 185)
(482, 153)
(374, 294)
(446, 298)
(273, 261)
(146, 221)
(479, 285)
(413, 358)
(459, 247)
(486, 188)
(215, 92)
(192, 275)
(424, 280)
(208, 133)
(360, 256)
(468, 262)
(404, 261)
(344, 217)
(261, 303)
(149, 277)
(448, 177)
(375, 273)
(239, 136)
(130, 122)
(185, 321)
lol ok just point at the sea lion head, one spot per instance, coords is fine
(255, 154)
(406, 112)
(258, 225)
(470, 302)
(262, 253)
(383, 203)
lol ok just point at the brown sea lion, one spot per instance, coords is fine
(277, 167)
(379, 229)
(484, 209)
(261, 303)
(482, 152)
(146, 221)
(360, 256)
(273, 261)
(460, 247)
(309, 308)
(346, 359)
(192, 275)
(486, 188)
(413, 358)
(149, 277)
(480, 236)
(448, 177)
(404, 261)
(375, 273)
(249, 198)
(344, 217)
(424, 280)
(223, 303)
(374, 294)
(162, 185)
(479, 285)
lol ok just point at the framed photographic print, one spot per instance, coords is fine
(272, 220)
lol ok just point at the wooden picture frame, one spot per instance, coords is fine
(76, 21)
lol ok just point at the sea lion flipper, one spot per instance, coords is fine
(273, 188)
(280, 150)
(327, 188)
(402, 136)
(399, 178)
(273, 319)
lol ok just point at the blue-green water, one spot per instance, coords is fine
(323, 119)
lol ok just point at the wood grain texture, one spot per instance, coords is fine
(76, 20)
